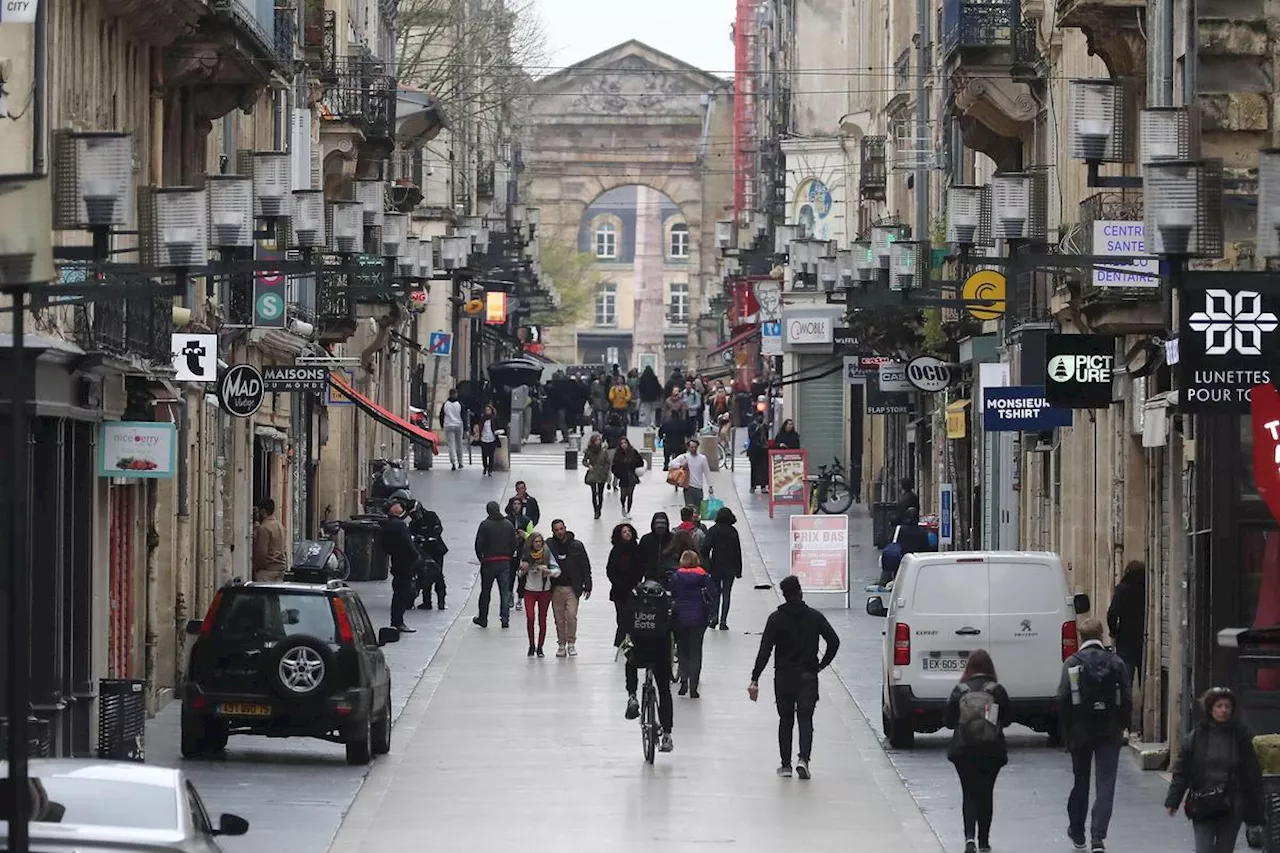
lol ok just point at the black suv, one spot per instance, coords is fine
(288, 659)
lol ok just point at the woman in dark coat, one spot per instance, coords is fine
(787, 435)
(1127, 616)
(722, 555)
(1218, 772)
(625, 570)
(650, 397)
(690, 587)
(627, 463)
(978, 748)
(758, 453)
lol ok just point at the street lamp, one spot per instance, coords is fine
(1182, 208)
(348, 227)
(905, 264)
(426, 258)
(1269, 203)
(395, 228)
(272, 180)
(408, 260)
(1011, 205)
(230, 211)
(372, 198)
(882, 240)
(1168, 133)
(866, 266)
(844, 267)
(827, 273)
(1097, 121)
(181, 228)
(760, 220)
(964, 214)
(308, 219)
(94, 180)
(26, 253)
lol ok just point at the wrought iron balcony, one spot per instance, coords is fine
(362, 92)
(134, 327)
(902, 73)
(259, 18)
(1114, 302)
(979, 25)
(1027, 63)
(873, 175)
(320, 41)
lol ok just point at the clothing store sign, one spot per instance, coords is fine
(1078, 370)
(1229, 331)
(1021, 408)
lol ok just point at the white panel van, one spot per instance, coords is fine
(1014, 604)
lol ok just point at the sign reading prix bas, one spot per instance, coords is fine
(278, 378)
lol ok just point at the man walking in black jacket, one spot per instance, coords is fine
(398, 545)
(496, 542)
(791, 634)
(572, 584)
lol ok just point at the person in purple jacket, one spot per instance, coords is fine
(691, 591)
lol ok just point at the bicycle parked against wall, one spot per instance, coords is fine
(830, 492)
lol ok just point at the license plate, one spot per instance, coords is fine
(244, 709)
(942, 663)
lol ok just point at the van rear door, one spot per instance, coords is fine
(947, 613)
(1028, 600)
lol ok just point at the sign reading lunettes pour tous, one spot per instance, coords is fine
(929, 374)
(240, 391)
(1229, 332)
(1078, 370)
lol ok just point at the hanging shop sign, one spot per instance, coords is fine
(1078, 370)
(893, 377)
(1022, 408)
(1112, 237)
(987, 285)
(946, 511)
(141, 450)
(269, 293)
(495, 307)
(820, 552)
(1265, 410)
(19, 11)
(1229, 330)
(886, 403)
(853, 373)
(958, 419)
(195, 357)
(929, 374)
(771, 337)
(788, 478)
(240, 391)
(808, 331)
(288, 378)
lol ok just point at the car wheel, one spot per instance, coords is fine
(300, 668)
(382, 729)
(196, 736)
(901, 735)
(360, 746)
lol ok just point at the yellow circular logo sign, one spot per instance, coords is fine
(988, 285)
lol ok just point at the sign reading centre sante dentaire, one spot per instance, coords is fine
(1229, 332)
(1120, 238)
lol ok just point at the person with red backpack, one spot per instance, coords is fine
(978, 712)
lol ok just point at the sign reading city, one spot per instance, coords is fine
(929, 374)
(1124, 239)
(240, 391)
(141, 450)
(820, 552)
(440, 343)
(1078, 370)
(195, 357)
(1022, 408)
(288, 378)
(1227, 339)
(19, 11)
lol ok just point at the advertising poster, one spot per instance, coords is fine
(788, 478)
(820, 552)
(143, 450)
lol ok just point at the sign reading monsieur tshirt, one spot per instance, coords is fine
(1021, 408)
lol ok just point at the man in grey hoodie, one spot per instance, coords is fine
(496, 544)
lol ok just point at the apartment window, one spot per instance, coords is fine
(680, 302)
(606, 240)
(607, 305)
(680, 241)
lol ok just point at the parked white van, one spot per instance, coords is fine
(1014, 604)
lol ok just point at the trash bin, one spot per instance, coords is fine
(39, 738)
(122, 719)
(502, 454)
(881, 522)
(709, 446)
(422, 452)
(572, 445)
(380, 567)
(360, 543)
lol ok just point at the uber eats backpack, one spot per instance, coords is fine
(1095, 683)
(978, 723)
(650, 618)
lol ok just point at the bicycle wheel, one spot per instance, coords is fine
(649, 719)
(839, 497)
(344, 565)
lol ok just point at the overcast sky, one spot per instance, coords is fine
(696, 31)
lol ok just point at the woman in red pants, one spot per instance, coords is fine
(537, 567)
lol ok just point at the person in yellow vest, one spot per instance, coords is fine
(620, 397)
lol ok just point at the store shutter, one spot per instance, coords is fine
(820, 411)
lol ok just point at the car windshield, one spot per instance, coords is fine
(88, 801)
(275, 614)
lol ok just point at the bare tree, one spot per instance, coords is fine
(574, 276)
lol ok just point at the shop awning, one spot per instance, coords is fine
(958, 419)
(741, 337)
(383, 416)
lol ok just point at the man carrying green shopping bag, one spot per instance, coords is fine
(699, 469)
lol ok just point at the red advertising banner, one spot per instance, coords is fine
(820, 552)
(788, 478)
(1264, 406)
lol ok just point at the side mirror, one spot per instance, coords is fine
(388, 635)
(194, 626)
(231, 824)
(875, 607)
(1081, 602)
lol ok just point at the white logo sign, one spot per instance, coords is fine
(1233, 323)
(893, 377)
(19, 11)
(769, 296)
(195, 357)
(929, 374)
(810, 330)
(1081, 368)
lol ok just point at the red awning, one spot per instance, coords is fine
(741, 337)
(383, 416)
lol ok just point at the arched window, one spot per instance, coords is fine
(679, 241)
(606, 240)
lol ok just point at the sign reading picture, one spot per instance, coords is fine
(1078, 370)
(1228, 332)
(142, 450)
(788, 473)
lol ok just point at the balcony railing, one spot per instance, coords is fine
(1120, 213)
(1027, 62)
(286, 34)
(363, 93)
(259, 18)
(978, 24)
(138, 326)
(872, 176)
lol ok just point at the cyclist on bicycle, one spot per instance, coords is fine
(651, 625)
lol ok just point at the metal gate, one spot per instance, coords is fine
(820, 411)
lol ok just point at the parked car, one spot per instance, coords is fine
(86, 805)
(1014, 604)
(288, 659)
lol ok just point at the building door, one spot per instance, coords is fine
(124, 504)
(819, 412)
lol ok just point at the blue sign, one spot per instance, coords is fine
(1021, 408)
(946, 496)
(440, 343)
(771, 337)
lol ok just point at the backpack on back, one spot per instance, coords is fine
(978, 722)
(1095, 684)
(650, 619)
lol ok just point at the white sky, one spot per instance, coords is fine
(696, 31)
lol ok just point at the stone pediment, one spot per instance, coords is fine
(629, 80)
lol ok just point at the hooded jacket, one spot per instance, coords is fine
(722, 551)
(1126, 617)
(689, 587)
(653, 546)
(496, 537)
(791, 633)
(625, 568)
(575, 565)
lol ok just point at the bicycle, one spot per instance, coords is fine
(650, 731)
(830, 492)
(328, 532)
